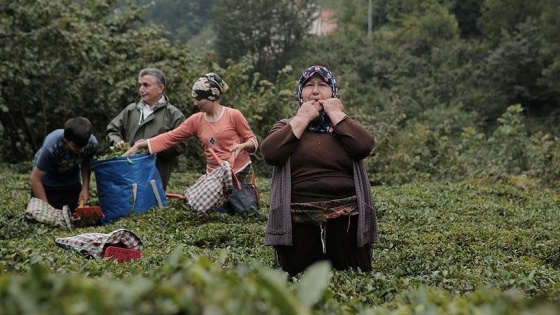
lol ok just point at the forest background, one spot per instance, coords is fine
(452, 89)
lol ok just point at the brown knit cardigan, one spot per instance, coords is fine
(279, 226)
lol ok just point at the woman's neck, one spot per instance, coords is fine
(215, 112)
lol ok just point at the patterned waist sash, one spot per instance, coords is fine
(318, 212)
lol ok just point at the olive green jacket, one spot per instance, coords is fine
(130, 126)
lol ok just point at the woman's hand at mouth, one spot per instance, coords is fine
(334, 109)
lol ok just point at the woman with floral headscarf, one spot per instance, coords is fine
(221, 129)
(321, 207)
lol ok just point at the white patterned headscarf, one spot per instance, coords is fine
(210, 86)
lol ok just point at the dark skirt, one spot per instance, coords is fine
(340, 244)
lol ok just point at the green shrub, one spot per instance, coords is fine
(423, 153)
(447, 248)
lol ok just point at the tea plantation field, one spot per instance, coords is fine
(444, 249)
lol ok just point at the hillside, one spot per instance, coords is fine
(444, 248)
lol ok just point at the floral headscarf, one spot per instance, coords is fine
(323, 122)
(209, 86)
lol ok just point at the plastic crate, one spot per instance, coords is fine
(87, 216)
(122, 254)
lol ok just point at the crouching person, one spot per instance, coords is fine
(65, 155)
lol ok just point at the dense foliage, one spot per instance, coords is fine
(432, 81)
(65, 58)
(432, 152)
(447, 248)
(274, 31)
(185, 20)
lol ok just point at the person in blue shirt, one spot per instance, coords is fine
(65, 155)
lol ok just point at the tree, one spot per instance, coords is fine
(467, 13)
(353, 15)
(183, 19)
(429, 26)
(68, 58)
(516, 75)
(272, 30)
(505, 15)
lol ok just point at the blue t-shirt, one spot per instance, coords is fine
(62, 164)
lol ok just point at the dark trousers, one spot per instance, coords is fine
(165, 168)
(60, 197)
(340, 243)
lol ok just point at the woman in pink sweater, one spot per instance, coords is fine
(222, 129)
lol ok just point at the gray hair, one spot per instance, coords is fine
(156, 73)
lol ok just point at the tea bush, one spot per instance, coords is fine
(451, 248)
(424, 153)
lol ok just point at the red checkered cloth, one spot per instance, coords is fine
(94, 244)
(211, 190)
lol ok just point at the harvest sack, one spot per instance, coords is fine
(128, 185)
(95, 244)
(211, 190)
(41, 212)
